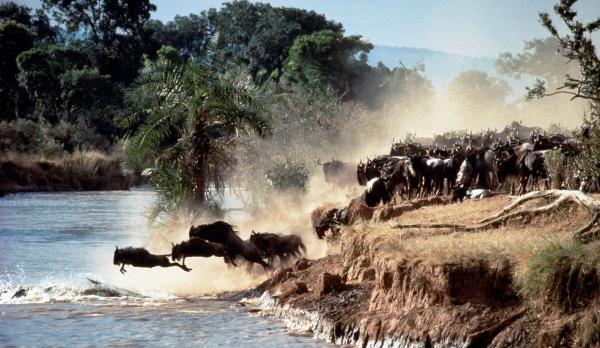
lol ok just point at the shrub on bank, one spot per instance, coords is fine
(82, 171)
(565, 275)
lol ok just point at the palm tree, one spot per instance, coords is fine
(187, 118)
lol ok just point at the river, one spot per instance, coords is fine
(52, 243)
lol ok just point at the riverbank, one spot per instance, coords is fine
(81, 171)
(524, 283)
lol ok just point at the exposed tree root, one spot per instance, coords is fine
(561, 197)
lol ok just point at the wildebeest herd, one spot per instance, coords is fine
(221, 240)
(461, 169)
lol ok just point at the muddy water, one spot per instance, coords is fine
(52, 243)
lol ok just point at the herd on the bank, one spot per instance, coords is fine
(469, 167)
(475, 166)
(221, 240)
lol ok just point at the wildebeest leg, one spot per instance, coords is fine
(523, 184)
(183, 267)
(122, 270)
(229, 259)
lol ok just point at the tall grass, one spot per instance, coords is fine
(81, 171)
(566, 275)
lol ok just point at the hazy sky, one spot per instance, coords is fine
(469, 27)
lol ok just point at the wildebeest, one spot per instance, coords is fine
(140, 257)
(414, 172)
(330, 219)
(199, 247)
(376, 168)
(522, 162)
(461, 193)
(433, 176)
(376, 192)
(451, 167)
(338, 172)
(223, 233)
(479, 165)
(271, 245)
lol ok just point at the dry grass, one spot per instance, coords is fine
(80, 171)
(515, 241)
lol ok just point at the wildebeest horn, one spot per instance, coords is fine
(319, 162)
(172, 244)
(116, 247)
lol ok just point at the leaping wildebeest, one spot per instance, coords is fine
(223, 233)
(199, 247)
(140, 257)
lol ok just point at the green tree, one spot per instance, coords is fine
(577, 46)
(14, 39)
(190, 119)
(190, 34)
(39, 23)
(18, 13)
(260, 36)
(326, 60)
(39, 75)
(113, 32)
(88, 99)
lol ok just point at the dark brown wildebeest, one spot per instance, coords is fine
(479, 166)
(338, 173)
(378, 167)
(414, 172)
(271, 245)
(223, 233)
(140, 257)
(522, 162)
(199, 247)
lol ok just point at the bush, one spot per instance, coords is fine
(563, 275)
(285, 175)
(562, 170)
(27, 136)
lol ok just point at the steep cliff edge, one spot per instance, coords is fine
(440, 288)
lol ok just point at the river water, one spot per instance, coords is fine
(52, 243)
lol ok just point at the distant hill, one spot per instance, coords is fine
(440, 67)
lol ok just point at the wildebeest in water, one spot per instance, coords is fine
(140, 257)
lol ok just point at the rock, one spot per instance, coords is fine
(295, 289)
(367, 275)
(281, 275)
(301, 265)
(330, 283)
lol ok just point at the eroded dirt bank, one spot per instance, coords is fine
(437, 288)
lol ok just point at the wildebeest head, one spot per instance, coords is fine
(117, 256)
(415, 165)
(465, 174)
(458, 194)
(176, 251)
(361, 175)
(258, 240)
